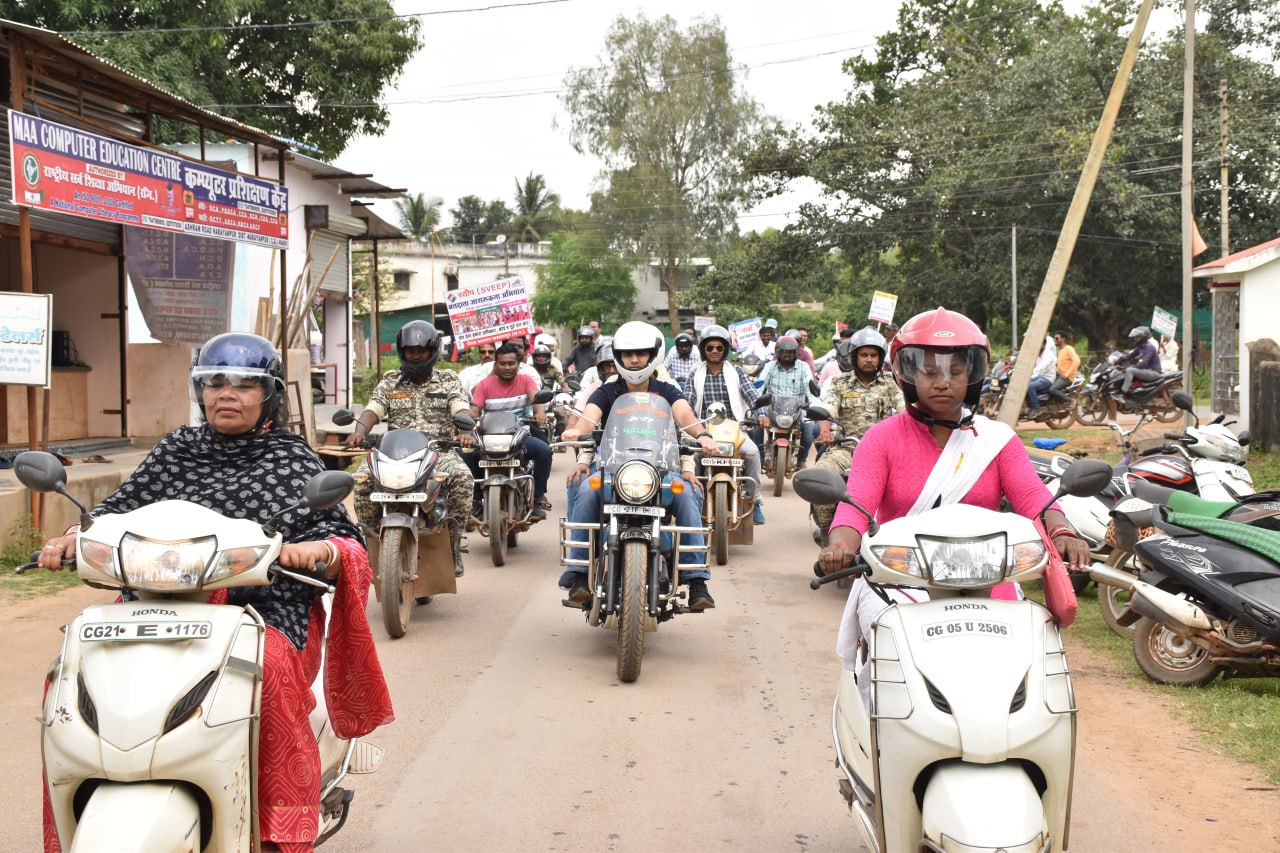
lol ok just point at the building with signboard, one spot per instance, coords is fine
(82, 168)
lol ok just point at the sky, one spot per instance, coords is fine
(476, 109)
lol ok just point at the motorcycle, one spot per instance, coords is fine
(632, 552)
(1207, 599)
(149, 728)
(969, 739)
(410, 551)
(730, 495)
(1153, 397)
(1092, 406)
(780, 450)
(1054, 413)
(558, 415)
(507, 487)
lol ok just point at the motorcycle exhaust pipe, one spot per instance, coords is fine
(1104, 574)
(1177, 614)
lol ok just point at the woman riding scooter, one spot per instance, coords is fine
(939, 359)
(242, 462)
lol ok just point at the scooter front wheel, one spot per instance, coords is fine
(1167, 658)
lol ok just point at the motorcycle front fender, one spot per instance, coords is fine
(401, 520)
(985, 807)
(159, 816)
(782, 442)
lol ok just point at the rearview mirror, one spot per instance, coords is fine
(343, 417)
(464, 422)
(1085, 478)
(819, 485)
(544, 396)
(1183, 401)
(327, 489)
(763, 401)
(818, 413)
(40, 471)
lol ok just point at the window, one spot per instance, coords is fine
(402, 280)
(451, 281)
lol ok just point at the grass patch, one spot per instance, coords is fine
(23, 539)
(1239, 716)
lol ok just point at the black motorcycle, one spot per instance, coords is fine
(507, 485)
(1208, 600)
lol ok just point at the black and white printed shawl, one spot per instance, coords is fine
(245, 476)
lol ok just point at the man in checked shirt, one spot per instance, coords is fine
(717, 381)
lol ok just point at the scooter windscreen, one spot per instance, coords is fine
(785, 411)
(400, 444)
(640, 426)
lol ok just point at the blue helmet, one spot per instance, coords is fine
(244, 356)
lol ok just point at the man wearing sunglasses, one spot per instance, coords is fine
(717, 381)
(471, 376)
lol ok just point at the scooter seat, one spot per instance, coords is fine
(1185, 502)
(1259, 540)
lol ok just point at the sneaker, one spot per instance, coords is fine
(579, 592)
(537, 512)
(758, 515)
(458, 569)
(699, 598)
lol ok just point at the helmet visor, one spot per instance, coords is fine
(965, 365)
(248, 385)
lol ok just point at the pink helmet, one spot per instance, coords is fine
(939, 331)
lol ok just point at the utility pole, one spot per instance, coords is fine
(1188, 106)
(1223, 169)
(1016, 392)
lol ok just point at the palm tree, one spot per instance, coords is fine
(537, 210)
(419, 215)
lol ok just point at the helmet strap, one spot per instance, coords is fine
(965, 422)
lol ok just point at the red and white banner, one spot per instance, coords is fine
(490, 312)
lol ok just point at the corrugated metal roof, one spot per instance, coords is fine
(348, 183)
(1241, 261)
(56, 44)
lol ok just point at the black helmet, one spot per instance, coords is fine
(1142, 333)
(586, 332)
(244, 356)
(684, 341)
(542, 355)
(788, 345)
(418, 333)
(846, 356)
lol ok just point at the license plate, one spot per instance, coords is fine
(712, 461)
(406, 497)
(966, 627)
(627, 509)
(92, 632)
(495, 463)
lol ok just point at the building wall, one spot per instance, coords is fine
(1259, 306)
(159, 397)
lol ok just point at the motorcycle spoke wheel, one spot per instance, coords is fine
(779, 469)
(497, 515)
(1167, 413)
(1167, 658)
(635, 564)
(1091, 410)
(720, 523)
(1061, 419)
(1112, 601)
(397, 583)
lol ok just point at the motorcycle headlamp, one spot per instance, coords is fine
(636, 482)
(165, 566)
(785, 421)
(724, 448)
(398, 474)
(500, 443)
(965, 563)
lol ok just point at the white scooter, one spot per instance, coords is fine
(969, 741)
(150, 722)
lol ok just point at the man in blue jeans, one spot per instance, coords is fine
(636, 348)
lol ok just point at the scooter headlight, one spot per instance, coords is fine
(160, 566)
(965, 563)
(500, 443)
(636, 482)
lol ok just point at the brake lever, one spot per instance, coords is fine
(309, 580)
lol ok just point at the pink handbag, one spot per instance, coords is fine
(1059, 594)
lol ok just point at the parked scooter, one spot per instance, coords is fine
(632, 552)
(150, 720)
(1207, 600)
(730, 494)
(969, 740)
(507, 487)
(780, 450)
(410, 551)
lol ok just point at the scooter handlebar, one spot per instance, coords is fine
(67, 563)
(857, 569)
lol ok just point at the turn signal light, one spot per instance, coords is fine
(595, 482)
(677, 487)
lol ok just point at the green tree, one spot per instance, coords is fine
(754, 272)
(468, 220)
(973, 118)
(419, 215)
(497, 219)
(311, 70)
(664, 110)
(583, 281)
(537, 209)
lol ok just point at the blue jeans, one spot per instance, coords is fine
(535, 449)
(585, 507)
(1039, 384)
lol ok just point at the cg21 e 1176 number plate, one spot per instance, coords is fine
(965, 628)
(91, 632)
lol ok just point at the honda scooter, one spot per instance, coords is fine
(149, 729)
(968, 742)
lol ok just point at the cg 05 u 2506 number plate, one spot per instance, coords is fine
(91, 632)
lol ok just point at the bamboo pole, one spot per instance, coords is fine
(1016, 392)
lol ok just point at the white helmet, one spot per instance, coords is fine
(634, 336)
(548, 341)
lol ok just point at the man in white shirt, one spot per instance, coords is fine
(764, 347)
(1042, 376)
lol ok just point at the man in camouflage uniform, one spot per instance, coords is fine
(856, 399)
(417, 396)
